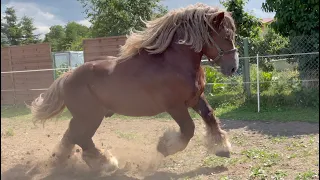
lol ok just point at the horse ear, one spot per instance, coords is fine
(219, 18)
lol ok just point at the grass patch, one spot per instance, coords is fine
(279, 175)
(258, 173)
(128, 136)
(278, 139)
(239, 139)
(307, 175)
(9, 132)
(213, 161)
(263, 157)
(230, 112)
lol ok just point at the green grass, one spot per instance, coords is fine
(263, 157)
(9, 132)
(213, 161)
(128, 136)
(230, 112)
(307, 175)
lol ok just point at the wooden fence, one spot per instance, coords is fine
(108, 46)
(17, 88)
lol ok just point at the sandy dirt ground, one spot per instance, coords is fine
(261, 150)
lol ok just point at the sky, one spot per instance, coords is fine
(46, 13)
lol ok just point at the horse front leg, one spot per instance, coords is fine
(216, 138)
(173, 141)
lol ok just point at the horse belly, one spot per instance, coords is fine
(131, 100)
(137, 104)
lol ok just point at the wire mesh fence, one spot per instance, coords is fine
(287, 75)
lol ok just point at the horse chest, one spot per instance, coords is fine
(198, 89)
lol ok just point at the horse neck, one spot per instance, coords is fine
(183, 56)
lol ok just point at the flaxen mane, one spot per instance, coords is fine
(192, 24)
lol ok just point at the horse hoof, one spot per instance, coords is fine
(225, 154)
(161, 148)
(112, 166)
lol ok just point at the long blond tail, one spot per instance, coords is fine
(50, 103)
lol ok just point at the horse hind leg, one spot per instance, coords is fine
(87, 115)
(63, 151)
(172, 141)
(80, 132)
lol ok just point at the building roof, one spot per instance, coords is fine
(266, 20)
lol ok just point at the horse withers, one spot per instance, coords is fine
(157, 70)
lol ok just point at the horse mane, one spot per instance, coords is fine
(191, 24)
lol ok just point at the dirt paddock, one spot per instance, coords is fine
(261, 150)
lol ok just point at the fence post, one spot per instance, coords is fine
(53, 56)
(258, 84)
(12, 77)
(69, 61)
(246, 68)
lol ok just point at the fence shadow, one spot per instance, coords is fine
(274, 128)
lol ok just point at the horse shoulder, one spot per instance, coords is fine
(103, 66)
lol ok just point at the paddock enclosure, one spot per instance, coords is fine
(280, 142)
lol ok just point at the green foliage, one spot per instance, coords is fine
(274, 42)
(74, 35)
(294, 18)
(56, 37)
(117, 17)
(10, 27)
(14, 32)
(68, 38)
(308, 66)
(213, 76)
(59, 72)
(27, 28)
(265, 79)
(298, 18)
(278, 89)
(247, 25)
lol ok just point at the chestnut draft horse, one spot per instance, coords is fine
(158, 70)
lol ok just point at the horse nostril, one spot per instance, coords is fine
(233, 70)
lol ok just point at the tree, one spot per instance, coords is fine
(27, 29)
(247, 24)
(68, 38)
(75, 33)
(294, 18)
(56, 37)
(4, 38)
(117, 17)
(298, 18)
(10, 28)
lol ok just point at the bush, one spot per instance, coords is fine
(59, 72)
(265, 79)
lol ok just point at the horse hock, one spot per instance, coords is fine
(171, 142)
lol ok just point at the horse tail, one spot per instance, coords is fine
(51, 103)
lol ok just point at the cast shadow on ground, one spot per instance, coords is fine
(18, 172)
(273, 128)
